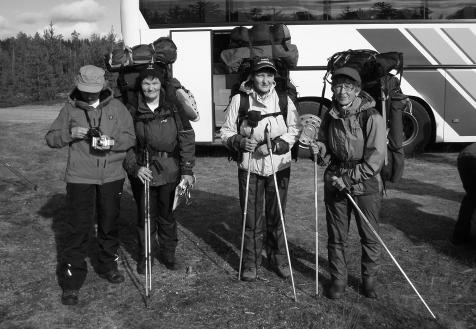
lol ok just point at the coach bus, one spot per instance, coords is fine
(437, 39)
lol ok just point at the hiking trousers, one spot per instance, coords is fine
(262, 191)
(338, 215)
(467, 210)
(84, 202)
(163, 226)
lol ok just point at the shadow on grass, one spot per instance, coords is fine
(417, 187)
(423, 227)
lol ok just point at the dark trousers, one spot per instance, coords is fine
(467, 210)
(85, 201)
(262, 190)
(338, 214)
(163, 226)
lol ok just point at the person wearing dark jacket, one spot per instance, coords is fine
(98, 131)
(169, 139)
(467, 210)
(353, 133)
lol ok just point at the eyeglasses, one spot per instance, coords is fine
(343, 86)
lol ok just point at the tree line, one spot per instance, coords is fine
(43, 68)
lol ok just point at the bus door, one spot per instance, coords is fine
(193, 69)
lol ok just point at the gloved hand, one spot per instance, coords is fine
(247, 144)
(187, 180)
(279, 146)
(340, 184)
(262, 150)
(318, 148)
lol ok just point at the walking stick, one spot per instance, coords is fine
(388, 251)
(147, 244)
(317, 228)
(268, 143)
(245, 210)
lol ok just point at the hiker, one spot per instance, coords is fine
(353, 133)
(467, 210)
(170, 142)
(98, 130)
(251, 143)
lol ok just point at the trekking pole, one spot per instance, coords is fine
(19, 175)
(147, 244)
(317, 227)
(245, 210)
(268, 143)
(388, 251)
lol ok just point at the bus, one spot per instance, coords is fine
(437, 39)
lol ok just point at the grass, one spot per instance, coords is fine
(417, 219)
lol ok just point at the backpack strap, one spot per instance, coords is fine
(242, 110)
(283, 104)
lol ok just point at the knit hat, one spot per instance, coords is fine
(348, 72)
(153, 72)
(90, 79)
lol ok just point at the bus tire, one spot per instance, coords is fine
(417, 130)
(308, 107)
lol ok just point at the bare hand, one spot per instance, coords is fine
(144, 174)
(79, 132)
(338, 183)
(188, 180)
(248, 145)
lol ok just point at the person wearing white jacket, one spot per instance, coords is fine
(249, 138)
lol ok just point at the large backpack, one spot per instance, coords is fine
(377, 80)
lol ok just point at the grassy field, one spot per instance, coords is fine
(417, 220)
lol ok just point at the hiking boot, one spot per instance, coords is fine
(249, 274)
(141, 264)
(69, 297)
(170, 262)
(283, 270)
(335, 291)
(369, 288)
(113, 276)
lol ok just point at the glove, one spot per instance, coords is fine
(262, 150)
(247, 145)
(318, 148)
(341, 183)
(279, 146)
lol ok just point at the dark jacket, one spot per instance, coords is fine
(357, 153)
(168, 137)
(86, 165)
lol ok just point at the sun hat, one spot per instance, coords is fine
(90, 79)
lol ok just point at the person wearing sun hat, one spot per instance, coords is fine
(98, 131)
(353, 134)
(249, 139)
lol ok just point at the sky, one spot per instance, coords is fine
(84, 16)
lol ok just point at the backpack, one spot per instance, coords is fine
(384, 87)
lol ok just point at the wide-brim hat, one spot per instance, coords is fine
(348, 72)
(261, 63)
(90, 79)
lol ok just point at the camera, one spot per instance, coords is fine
(103, 141)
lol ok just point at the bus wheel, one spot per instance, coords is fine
(416, 129)
(310, 119)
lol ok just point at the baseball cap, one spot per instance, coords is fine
(348, 72)
(263, 62)
(90, 79)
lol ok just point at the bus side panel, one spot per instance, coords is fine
(193, 70)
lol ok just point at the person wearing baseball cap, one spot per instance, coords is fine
(264, 117)
(98, 130)
(353, 134)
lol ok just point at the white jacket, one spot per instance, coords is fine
(269, 103)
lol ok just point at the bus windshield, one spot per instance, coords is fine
(165, 12)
